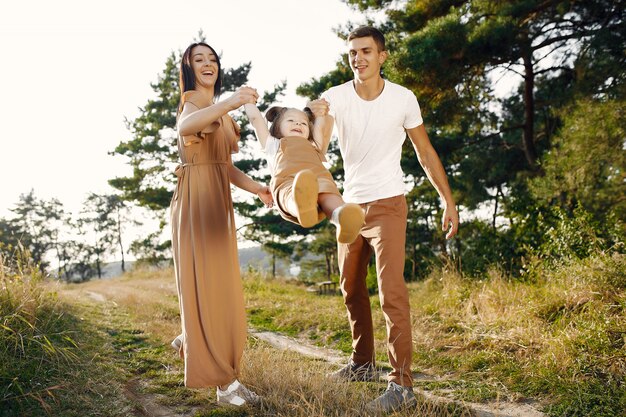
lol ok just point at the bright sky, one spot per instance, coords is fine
(73, 70)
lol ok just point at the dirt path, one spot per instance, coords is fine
(492, 409)
(148, 404)
(145, 404)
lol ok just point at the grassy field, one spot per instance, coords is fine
(102, 348)
(559, 337)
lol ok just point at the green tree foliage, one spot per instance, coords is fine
(586, 165)
(454, 55)
(78, 256)
(103, 218)
(9, 235)
(97, 224)
(449, 49)
(324, 249)
(149, 250)
(152, 150)
(37, 227)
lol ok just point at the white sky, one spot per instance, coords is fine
(72, 70)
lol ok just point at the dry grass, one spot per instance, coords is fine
(558, 338)
(293, 386)
(144, 304)
(44, 366)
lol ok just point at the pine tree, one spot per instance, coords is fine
(153, 154)
(452, 54)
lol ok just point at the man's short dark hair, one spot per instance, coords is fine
(365, 31)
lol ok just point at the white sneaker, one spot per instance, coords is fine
(395, 398)
(237, 394)
(177, 343)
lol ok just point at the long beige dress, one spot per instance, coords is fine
(204, 246)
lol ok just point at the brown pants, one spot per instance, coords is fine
(384, 234)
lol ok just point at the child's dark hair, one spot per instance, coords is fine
(275, 115)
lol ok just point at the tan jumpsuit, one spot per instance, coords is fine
(295, 154)
(204, 246)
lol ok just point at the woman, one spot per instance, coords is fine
(203, 230)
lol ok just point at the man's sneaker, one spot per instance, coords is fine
(237, 394)
(395, 398)
(353, 372)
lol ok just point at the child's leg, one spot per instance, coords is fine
(329, 202)
(304, 203)
(348, 218)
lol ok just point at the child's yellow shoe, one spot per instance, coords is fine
(350, 218)
(305, 190)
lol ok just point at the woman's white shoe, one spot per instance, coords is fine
(177, 343)
(237, 394)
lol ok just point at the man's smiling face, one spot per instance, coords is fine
(365, 58)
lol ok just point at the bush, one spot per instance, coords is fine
(482, 247)
(371, 280)
(578, 235)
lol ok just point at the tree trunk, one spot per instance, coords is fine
(413, 263)
(529, 105)
(440, 237)
(458, 251)
(59, 269)
(98, 267)
(329, 266)
(495, 210)
(273, 265)
(119, 238)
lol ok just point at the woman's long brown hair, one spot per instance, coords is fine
(187, 78)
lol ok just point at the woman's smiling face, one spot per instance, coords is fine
(204, 65)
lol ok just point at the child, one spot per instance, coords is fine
(304, 190)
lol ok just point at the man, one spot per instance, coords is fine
(373, 117)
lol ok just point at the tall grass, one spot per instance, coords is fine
(34, 340)
(40, 359)
(559, 337)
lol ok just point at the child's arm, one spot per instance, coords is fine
(322, 129)
(258, 123)
(323, 125)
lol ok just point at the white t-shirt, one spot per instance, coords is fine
(371, 134)
(272, 145)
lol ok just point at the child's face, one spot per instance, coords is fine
(294, 123)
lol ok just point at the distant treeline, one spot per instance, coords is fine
(70, 247)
